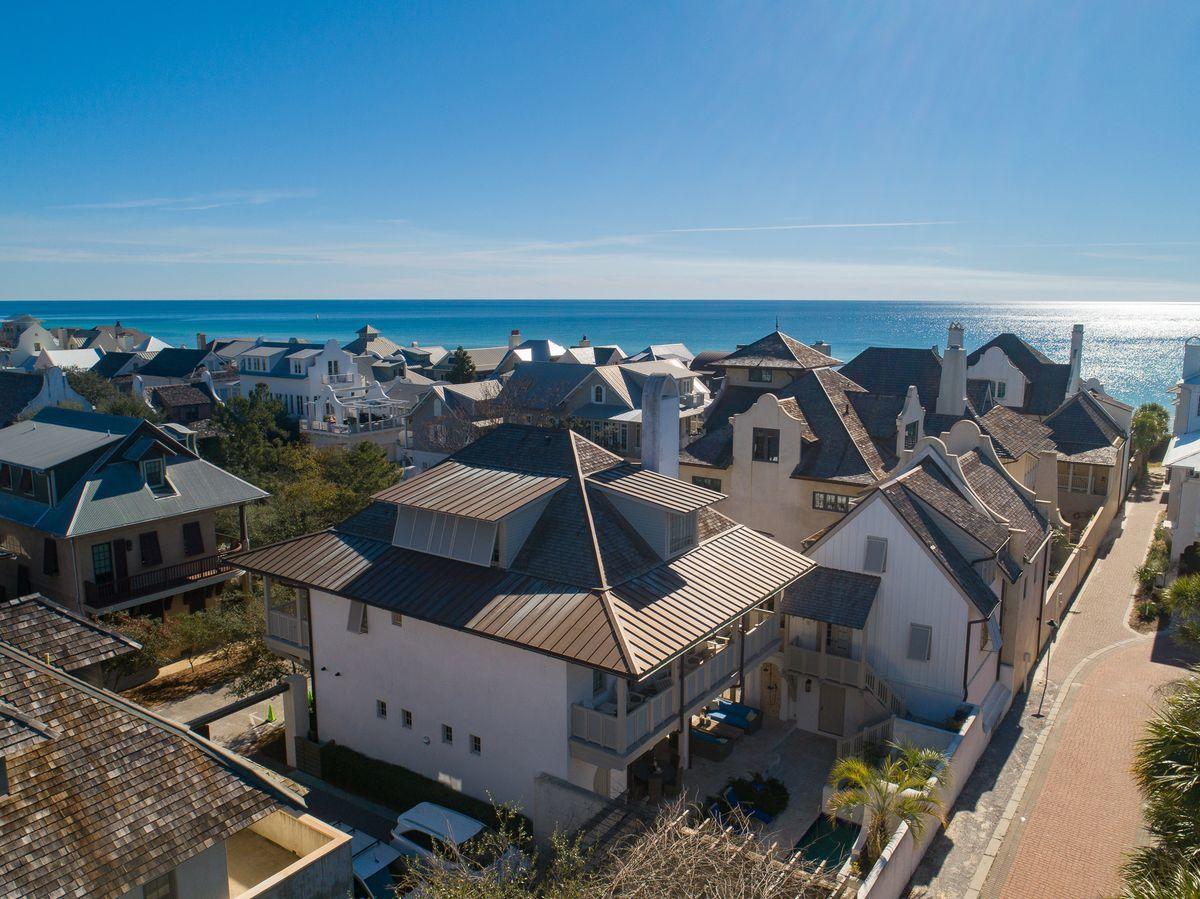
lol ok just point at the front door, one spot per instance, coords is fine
(770, 686)
(120, 563)
(832, 717)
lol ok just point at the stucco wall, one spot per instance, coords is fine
(995, 366)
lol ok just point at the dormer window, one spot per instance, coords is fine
(910, 435)
(297, 368)
(155, 473)
(598, 394)
(760, 375)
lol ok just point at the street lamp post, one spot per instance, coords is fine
(1053, 625)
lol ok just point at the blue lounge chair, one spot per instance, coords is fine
(710, 746)
(732, 823)
(746, 808)
(740, 716)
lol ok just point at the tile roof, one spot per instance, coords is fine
(1048, 379)
(584, 585)
(17, 390)
(832, 595)
(776, 350)
(995, 487)
(1083, 431)
(115, 795)
(1012, 433)
(173, 363)
(46, 630)
(891, 370)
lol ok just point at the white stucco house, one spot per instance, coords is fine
(534, 606)
(297, 373)
(1182, 459)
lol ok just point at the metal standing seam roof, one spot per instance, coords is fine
(658, 489)
(41, 444)
(486, 494)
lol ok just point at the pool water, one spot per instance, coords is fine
(827, 842)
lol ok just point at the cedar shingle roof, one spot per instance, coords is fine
(832, 595)
(891, 370)
(17, 390)
(112, 795)
(776, 350)
(997, 490)
(584, 586)
(1083, 431)
(46, 630)
(1012, 433)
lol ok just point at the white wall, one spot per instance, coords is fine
(995, 366)
(517, 701)
(913, 590)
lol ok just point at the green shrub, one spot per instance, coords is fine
(1148, 610)
(397, 787)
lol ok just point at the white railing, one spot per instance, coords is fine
(285, 627)
(343, 378)
(877, 734)
(352, 426)
(883, 691)
(825, 665)
(645, 716)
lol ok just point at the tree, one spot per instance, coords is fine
(1182, 600)
(1149, 427)
(892, 792)
(1167, 771)
(462, 367)
(251, 429)
(104, 396)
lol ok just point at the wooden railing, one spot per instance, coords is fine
(288, 628)
(876, 734)
(157, 580)
(826, 666)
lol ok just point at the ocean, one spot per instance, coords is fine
(1135, 349)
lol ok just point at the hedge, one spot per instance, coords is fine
(397, 787)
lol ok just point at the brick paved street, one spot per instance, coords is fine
(1074, 811)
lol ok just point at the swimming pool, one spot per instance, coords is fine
(827, 842)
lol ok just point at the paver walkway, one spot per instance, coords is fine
(1082, 746)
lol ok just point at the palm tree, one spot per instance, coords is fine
(896, 790)
(1167, 771)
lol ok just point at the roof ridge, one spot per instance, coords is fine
(219, 754)
(614, 622)
(581, 484)
(877, 470)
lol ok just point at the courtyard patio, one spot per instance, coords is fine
(800, 760)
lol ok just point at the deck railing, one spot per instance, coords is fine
(874, 734)
(288, 628)
(157, 580)
(824, 665)
(883, 691)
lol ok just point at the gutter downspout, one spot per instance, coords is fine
(967, 652)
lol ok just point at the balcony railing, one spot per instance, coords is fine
(708, 668)
(343, 378)
(856, 673)
(158, 580)
(352, 426)
(288, 628)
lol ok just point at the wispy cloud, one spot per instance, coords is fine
(831, 226)
(196, 202)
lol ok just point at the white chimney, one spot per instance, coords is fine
(583, 341)
(1191, 357)
(660, 425)
(1076, 360)
(514, 338)
(952, 389)
(822, 347)
(201, 340)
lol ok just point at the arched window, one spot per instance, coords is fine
(598, 394)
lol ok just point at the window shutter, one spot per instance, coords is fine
(151, 552)
(920, 636)
(876, 555)
(357, 623)
(49, 557)
(193, 539)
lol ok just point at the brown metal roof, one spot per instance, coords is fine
(652, 487)
(486, 494)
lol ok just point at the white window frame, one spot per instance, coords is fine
(913, 630)
(406, 719)
(598, 394)
(476, 744)
(448, 735)
(867, 555)
(380, 708)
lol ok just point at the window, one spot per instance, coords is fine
(26, 481)
(910, 434)
(875, 559)
(6, 477)
(406, 719)
(707, 483)
(397, 619)
(683, 532)
(476, 745)
(357, 624)
(151, 552)
(193, 539)
(49, 557)
(1099, 481)
(380, 708)
(1080, 478)
(102, 563)
(599, 681)
(761, 375)
(1001, 389)
(447, 734)
(766, 445)
(161, 887)
(154, 473)
(830, 502)
(920, 638)
(838, 640)
(598, 394)
(985, 639)
(332, 367)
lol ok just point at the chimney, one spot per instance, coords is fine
(583, 341)
(660, 425)
(201, 340)
(1191, 357)
(822, 347)
(952, 389)
(514, 338)
(1076, 360)
(1016, 544)
(414, 344)
(1045, 480)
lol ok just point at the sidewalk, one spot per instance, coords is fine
(973, 855)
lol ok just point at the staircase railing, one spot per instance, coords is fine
(876, 734)
(882, 691)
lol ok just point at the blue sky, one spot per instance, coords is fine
(967, 151)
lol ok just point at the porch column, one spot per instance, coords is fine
(295, 714)
(622, 706)
(244, 536)
(684, 724)
(741, 680)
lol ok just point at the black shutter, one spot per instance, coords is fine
(151, 552)
(193, 540)
(49, 557)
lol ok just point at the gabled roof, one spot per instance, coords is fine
(996, 488)
(891, 370)
(486, 358)
(180, 395)
(832, 595)
(65, 359)
(1048, 379)
(54, 436)
(776, 350)
(660, 351)
(46, 630)
(113, 364)
(173, 362)
(109, 795)
(1082, 431)
(17, 390)
(584, 586)
(544, 385)
(1013, 434)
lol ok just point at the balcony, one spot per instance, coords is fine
(353, 426)
(156, 583)
(652, 706)
(288, 628)
(856, 673)
(288, 854)
(345, 378)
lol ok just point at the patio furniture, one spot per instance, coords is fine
(740, 716)
(718, 728)
(747, 808)
(731, 823)
(710, 746)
